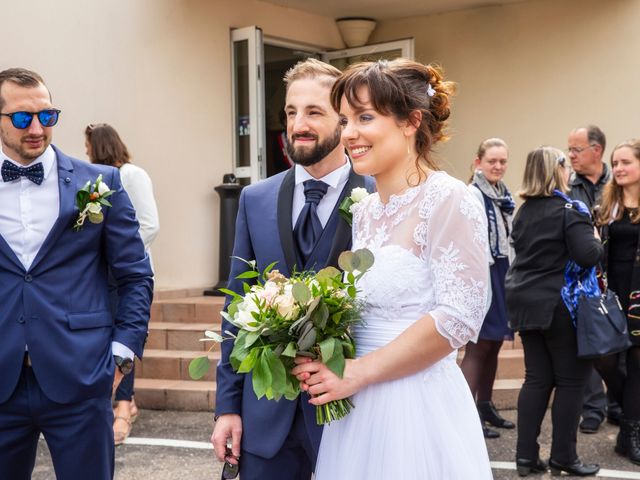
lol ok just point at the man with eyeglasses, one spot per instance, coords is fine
(590, 174)
(61, 352)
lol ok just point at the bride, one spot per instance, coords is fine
(425, 297)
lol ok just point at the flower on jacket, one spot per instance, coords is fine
(347, 206)
(90, 199)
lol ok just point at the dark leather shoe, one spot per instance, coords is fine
(614, 415)
(489, 414)
(628, 441)
(590, 425)
(525, 467)
(488, 433)
(577, 468)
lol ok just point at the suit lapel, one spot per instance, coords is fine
(285, 227)
(67, 190)
(342, 238)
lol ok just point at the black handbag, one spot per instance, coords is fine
(601, 326)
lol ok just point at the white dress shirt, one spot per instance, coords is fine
(28, 213)
(138, 186)
(28, 210)
(336, 181)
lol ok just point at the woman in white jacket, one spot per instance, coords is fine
(104, 146)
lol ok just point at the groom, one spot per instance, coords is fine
(291, 218)
(61, 352)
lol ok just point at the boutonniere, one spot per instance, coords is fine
(90, 199)
(347, 205)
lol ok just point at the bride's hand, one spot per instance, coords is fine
(322, 384)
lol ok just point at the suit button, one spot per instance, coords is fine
(21, 319)
(28, 278)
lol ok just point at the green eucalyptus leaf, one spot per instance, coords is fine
(249, 362)
(251, 338)
(290, 351)
(95, 217)
(307, 337)
(328, 273)
(348, 261)
(213, 335)
(365, 259)
(336, 363)
(328, 348)
(301, 293)
(261, 375)
(231, 293)
(352, 291)
(248, 274)
(348, 349)
(278, 372)
(198, 367)
(320, 316)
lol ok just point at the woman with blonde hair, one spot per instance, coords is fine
(549, 230)
(480, 361)
(619, 220)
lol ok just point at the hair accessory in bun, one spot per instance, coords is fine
(430, 90)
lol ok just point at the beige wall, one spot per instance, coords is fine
(530, 72)
(159, 71)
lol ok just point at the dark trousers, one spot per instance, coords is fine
(79, 435)
(595, 400)
(294, 461)
(551, 362)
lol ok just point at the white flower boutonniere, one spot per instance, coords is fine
(90, 199)
(346, 206)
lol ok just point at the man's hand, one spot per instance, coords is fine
(227, 426)
(117, 378)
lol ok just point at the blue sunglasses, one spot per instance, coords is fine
(22, 120)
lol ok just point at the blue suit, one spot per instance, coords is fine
(59, 308)
(280, 440)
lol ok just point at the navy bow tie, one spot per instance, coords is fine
(11, 172)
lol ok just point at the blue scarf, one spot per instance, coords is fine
(577, 280)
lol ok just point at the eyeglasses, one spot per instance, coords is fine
(579, 150)
(22, 120)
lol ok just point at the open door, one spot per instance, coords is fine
(247, 62)
(377, 51)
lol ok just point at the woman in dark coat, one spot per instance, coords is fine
(548, 231)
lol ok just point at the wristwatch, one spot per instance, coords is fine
(125, 365)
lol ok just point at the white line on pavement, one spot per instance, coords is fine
(166, 442)
(603, 473)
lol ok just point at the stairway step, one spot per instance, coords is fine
(191, 309)
(174, 364)
(179, 335)
(185, 395)
(505, 393)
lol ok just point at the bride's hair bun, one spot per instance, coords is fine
(401, 88)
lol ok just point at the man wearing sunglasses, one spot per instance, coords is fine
(61, 352)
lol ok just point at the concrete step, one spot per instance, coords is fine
(505, 393)
(185, 395)
(201, 309)
(179, 335)
(510, 363)
(174, 364)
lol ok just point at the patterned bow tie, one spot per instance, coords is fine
(11, 172)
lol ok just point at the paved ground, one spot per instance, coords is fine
(144, 462)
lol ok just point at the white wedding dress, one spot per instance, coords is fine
(430, 247)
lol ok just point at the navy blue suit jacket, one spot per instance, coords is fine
(59, 307)
(264, 232)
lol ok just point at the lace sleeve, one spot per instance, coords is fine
(453, 240)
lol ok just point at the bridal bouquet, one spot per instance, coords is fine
(279, 318)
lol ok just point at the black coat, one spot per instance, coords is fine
(547, 232)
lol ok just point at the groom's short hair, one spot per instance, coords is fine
(312, 68)
(21, 77)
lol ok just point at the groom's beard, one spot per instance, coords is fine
(307, 157)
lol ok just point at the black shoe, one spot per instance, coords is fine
(577, 468)
(614, 415)
(525, 467)
(488, 433)
(489, 414)
(628, 442)
(590, 425)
